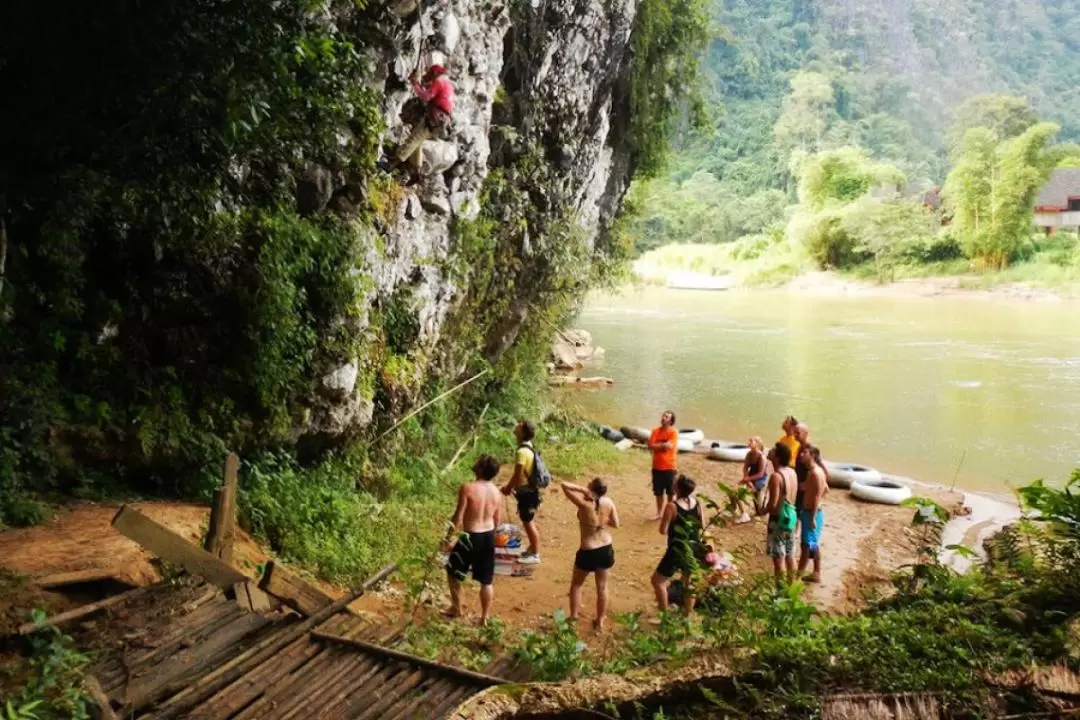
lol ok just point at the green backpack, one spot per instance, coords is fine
(786, 518)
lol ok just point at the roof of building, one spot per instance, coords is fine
(1063, 184)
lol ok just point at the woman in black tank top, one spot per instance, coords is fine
(682, 522)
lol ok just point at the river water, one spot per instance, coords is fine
(910, 385)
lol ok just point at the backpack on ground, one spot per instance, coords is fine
(539, 478)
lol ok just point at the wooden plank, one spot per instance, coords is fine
(254, 656)
(293, 590)
(78, 576)
(461, 673)
(93, 688)
(85, 610)
(317, 698)
(183, 632)
(252, 692)
(390, 695)
(243, 599)
(221, 535)
(182, 668)
(167, 545)
(260, 601)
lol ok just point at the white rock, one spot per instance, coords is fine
(343, 379)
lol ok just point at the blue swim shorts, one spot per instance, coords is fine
(811, 538)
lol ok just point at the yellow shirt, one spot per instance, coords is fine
(792, 443)
(524, 458)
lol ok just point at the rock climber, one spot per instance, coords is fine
(436, 93)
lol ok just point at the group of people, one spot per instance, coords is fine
(788, 482)
(470, 541)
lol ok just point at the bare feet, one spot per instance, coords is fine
(744, 518)
(598, 626)
(812, 579)
(653, 518)
(451, 613)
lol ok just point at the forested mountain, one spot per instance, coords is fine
(790, 77)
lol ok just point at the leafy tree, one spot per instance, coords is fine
(887, 230)
(1005, 116)
(805, 113)
(991, 190)
(843, 175)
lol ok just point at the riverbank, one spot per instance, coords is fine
(712, 267)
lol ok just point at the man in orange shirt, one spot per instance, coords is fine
(663, 443)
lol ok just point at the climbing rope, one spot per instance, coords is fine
(423, 36)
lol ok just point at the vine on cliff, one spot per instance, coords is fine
(667, 40)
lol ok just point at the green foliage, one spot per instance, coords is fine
(53, 689)
(666, 42)
(792, 78)
(1004, 116)
(555, 654)
(993, 187)
(163, 298)
(889, 232)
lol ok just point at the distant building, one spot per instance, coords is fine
(1058, 204)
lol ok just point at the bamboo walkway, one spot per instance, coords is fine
(218, 660)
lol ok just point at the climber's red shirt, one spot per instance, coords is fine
(440, 94)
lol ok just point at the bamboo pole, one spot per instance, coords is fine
(473, 438)
(461, 673)
(431, 402)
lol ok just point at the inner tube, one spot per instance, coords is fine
(728, 452)
(842, 475)
(880, 491)
(694, 435)
(610, 434)
(639, 434)
(685, 444)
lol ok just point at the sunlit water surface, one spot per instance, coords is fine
(909, 385)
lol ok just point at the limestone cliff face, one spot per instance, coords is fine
(542, 99)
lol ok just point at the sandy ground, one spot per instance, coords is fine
(82, 538)
(830, 283)
(861, 545)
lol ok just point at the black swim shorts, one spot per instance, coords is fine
(680, 557)
(476, 551)
(663, 482)
(601, 558)
(528, 502)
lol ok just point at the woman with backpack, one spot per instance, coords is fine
(596, 513)
(780, 536)
(683, 522)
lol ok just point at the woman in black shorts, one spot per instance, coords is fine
(596, 513)
(683, 523)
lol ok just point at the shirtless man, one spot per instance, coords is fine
(811, 517)
(596, 513)
(779, 541)
(476, 517)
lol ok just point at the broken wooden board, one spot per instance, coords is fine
(293, 590)
(85, 610)
(56, 580)
(251, 599)
(104, 707)
(169, 546)
(221, 534)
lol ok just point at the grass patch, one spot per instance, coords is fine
(766, 259)
(343, 518)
